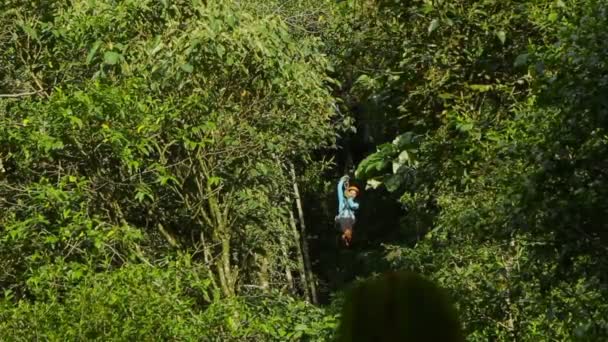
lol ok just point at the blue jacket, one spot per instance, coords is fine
(346, 205)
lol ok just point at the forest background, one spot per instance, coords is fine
(168, 168)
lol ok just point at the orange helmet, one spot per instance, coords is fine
(352, 187)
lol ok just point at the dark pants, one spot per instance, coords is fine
(346, 223)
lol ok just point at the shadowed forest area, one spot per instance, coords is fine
(168, 169)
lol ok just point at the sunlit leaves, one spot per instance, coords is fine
(375, 162)
(157, 112)
(111, 57)
(400, 155)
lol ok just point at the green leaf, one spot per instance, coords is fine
(502, 36)
(553, 16)
(187, 67)
(373, 183)
(433, 26)
(464, 127)
(388, 149)
(521, 60)
(366, 81)
(481, 87)
(404, 140)
(51, 239)
(365, 165)
(220, 50)
(140, 196)
(397, 165)
(93, 51)
(29, 31)
(393, 182)
(143, 191)
(405, 157)
(111, 57)
(76, 121)
(427, 8)
(214, 180)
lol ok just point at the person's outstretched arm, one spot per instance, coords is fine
(341, 193)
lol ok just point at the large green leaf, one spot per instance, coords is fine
(111, 57)
(93, 51)
(502, 36)
(393, 182)
(433, 25)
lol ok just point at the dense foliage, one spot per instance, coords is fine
(155, 129)
(157, 159)
(499, 163)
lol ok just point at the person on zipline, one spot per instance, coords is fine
(346, 208)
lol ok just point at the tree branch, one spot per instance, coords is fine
(20, 94)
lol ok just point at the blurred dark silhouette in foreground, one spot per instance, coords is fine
(398, 306)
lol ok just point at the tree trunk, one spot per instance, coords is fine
(170, 239)
(508, 263)
(229, 277)
(208, 259)
(285, 252)
(301, 263)
(309, 276)
(221, 234)
(263, 275)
